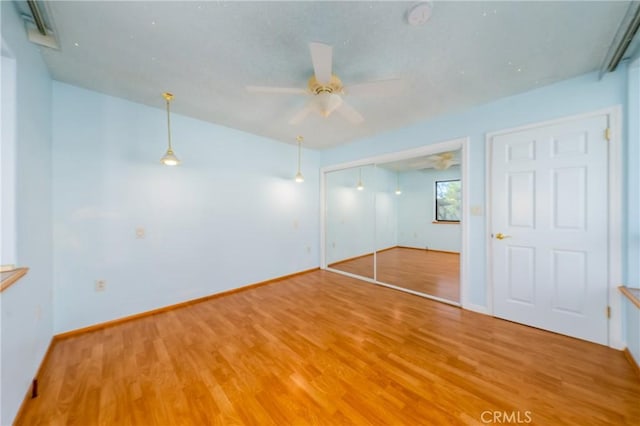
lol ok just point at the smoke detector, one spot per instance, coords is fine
(419, 14)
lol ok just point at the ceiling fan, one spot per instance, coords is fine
(443, 160)
(326, 89)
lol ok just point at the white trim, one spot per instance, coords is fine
(323, 213)
(487, 221)
(465, 287)
(616, 338)
(450, 145)
(614, 115)
(8, 157)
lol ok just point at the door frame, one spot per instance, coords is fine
(614, 213)
(449, 145)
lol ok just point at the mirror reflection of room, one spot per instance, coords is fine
(426, 257)
(398, 223)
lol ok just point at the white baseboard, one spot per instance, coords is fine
(476, 308)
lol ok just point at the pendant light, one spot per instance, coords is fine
(398, 190)
(299, 178)
(360, 186)
(169, 158)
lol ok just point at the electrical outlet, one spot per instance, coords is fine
(308, 249)
(101, 285)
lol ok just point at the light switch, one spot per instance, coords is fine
(139, 232)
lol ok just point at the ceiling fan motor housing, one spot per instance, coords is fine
(333, 86)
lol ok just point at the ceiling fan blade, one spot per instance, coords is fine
(350, 113)
(388, 87)
(322, 57)
(302, 114)
(283, 90)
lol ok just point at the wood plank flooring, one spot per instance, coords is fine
(325, 349)
(426, 271)
(361, 265)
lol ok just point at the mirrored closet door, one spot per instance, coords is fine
(350, 220)
(398, 223)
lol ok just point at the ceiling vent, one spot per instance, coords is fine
(38, 23)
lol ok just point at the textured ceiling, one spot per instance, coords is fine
(207, 52)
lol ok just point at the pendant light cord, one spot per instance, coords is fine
(169, 123)
(299, 139)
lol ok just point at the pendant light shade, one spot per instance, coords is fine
(299, 178)
(169, 158)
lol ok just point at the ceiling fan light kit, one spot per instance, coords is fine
(326, 103)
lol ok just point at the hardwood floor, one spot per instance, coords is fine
(325, 349)
(361, 265)
(426, 271)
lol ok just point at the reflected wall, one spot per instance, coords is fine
(350, 220)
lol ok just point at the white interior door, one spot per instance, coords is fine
(549, 227)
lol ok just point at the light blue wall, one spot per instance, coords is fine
(229, 216)
(578, 95)
(27, 311)
(416, 211)
(631, 317)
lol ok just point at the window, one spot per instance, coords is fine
(448, 200)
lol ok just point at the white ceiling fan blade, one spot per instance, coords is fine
(389, 87)
(302, 114)
(350, 113)
(322, 57)
(283, 90)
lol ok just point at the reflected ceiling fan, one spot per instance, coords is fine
(326, 89)
(443, 160)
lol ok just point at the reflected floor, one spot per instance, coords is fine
(426, 271)
(361, 265)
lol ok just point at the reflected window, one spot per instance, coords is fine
(448, 200)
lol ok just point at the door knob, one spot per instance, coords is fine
(501, 236)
